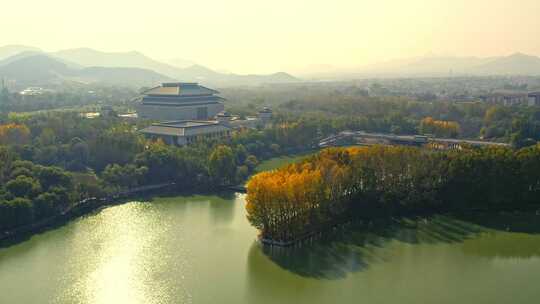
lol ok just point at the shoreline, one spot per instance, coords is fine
(88, 205)
(78, 209)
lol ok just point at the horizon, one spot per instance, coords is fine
(260, 38)
(305, 72)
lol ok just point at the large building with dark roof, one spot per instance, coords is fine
(180, 101)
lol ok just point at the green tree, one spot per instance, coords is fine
(127, 176)
(16, 212)
(222, 165)
(23, 186)
(251, 162)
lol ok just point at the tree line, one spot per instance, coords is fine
(343, 183)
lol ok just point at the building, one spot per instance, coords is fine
(180, 101)
(263, 119)
(534, 99)
(181, 133)
(185, 132)
(507, 98)
(265, 115)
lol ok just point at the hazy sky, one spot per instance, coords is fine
(265, 36)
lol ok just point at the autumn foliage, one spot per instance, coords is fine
(340, 183)
(14, 134)
(441, 128)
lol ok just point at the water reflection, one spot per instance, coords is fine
(355, 247)
(201, 249)
(221, 208)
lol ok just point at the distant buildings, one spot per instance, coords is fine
(180, 101)
(506, 98)
(513, 98)
(534, 99)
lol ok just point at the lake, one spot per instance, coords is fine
(201, 249)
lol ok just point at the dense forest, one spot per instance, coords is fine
(343, 183)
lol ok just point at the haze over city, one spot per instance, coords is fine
(267, 36)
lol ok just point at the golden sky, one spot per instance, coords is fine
(254, 36)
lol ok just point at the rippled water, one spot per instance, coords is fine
(201, 249)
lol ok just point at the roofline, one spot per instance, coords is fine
(168, 124)
(178, 84)
(148, 90)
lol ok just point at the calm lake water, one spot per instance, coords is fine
(201, 249)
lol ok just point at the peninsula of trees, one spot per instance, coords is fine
(340, 184)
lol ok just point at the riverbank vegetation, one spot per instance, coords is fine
(30, 192)
(343, 183)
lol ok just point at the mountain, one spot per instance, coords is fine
(205, 75)
(92, 58)
(44, 70)
(35, 69)
(425, 66)
(11, 50)
(192, 73)
(437, 66)
(180, 62)
(20, 55)
(515, 64)
(280, 77)
(141, 66)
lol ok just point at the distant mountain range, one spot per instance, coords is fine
(438, 66)
(32, 69)
(31, 66)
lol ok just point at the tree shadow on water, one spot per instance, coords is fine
(354, 247)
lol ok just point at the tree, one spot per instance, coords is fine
(242, 172)
(79, 153)
(45, 203)
(251, 162)
(127, 176)
(222, 165)
(16, 212)
(439, 128)
(7, 159)
(14, 134)
(54, 176)
(23, 186)
(117, 145)
(339, 183)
